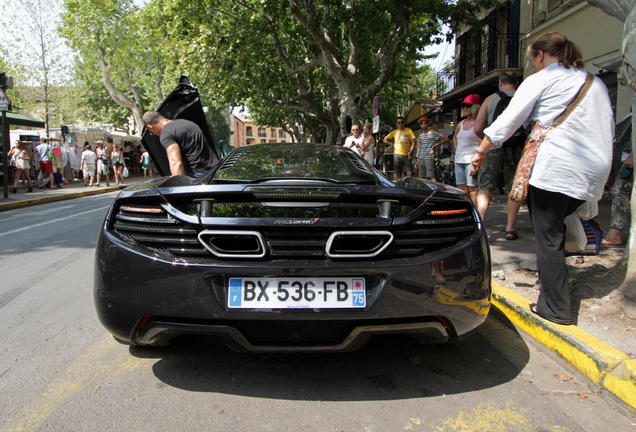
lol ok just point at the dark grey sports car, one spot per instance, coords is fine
(290, 247)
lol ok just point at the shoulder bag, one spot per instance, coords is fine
(521, 181)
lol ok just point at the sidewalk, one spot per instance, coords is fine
(606, 366)
(71, 190)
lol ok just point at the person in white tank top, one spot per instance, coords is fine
(466, 142)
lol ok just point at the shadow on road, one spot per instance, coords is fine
(387, 368)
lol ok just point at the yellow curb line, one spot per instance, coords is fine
(603, 364)
(54, 198)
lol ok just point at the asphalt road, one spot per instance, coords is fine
(61, 371)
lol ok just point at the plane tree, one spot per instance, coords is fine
(321, 62)
(123, 41)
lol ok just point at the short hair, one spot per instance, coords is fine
(509, 77)
(151, 117)
(399, 117)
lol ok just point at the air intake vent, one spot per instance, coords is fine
(229, 161)
(438, 229)
(359, 163)
(296, 193)
(152, 227)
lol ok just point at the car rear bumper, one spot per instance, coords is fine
(144, 300)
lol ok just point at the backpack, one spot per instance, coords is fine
(519, 137)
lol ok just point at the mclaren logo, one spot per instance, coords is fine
(296, 221)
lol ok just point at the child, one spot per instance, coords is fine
(58, 179)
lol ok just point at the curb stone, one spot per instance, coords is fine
(35, 201)
(603, 364)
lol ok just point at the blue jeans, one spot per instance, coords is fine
(196, 174)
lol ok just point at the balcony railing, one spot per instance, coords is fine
(501, 52)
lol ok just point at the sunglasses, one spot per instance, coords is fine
(466, 106)
(399, 122)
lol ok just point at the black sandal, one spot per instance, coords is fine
(512, 235)
(533, 309)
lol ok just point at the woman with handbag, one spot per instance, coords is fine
(567, 160)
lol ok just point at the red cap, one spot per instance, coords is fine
(422, 118)
(472, 99)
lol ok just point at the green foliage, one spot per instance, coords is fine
(313, 62)
(120, 45)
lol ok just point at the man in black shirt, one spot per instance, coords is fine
(185, 144)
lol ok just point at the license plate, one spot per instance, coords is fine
(297, 293)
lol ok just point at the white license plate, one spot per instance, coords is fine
(296, 293)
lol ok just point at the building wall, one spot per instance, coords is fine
(246, 132)
(598, 35)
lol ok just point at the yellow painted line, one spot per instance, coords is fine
(101, 360)
(489, 418)
(600, 362)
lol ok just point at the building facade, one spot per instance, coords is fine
(245, 132)
(507, 33)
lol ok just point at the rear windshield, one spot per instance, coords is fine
(279, 161)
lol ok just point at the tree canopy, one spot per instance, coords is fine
(119, 39)
(317, 63)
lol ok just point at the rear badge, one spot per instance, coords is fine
(296, 221)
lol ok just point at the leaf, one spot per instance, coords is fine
(408, 427)
(416, 421)
(582, 394)
(563, 377)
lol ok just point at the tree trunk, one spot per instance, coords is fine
(117, 95)
(625, 10)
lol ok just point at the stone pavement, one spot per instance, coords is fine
(604, 365)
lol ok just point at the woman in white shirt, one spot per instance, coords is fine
(573, 161)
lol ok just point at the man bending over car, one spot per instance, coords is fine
(185, 144)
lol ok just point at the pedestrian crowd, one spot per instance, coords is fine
(92, 164)
(550, 139)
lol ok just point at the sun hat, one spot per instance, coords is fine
(422, 118)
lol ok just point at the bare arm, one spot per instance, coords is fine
(174, 157)
(367, 143)
(481, 122)
(455, 137)
(478, 158)
(387, 141)
(442, 140)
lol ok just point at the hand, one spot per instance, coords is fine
(476, 161)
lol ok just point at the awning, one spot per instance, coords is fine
(15, 119)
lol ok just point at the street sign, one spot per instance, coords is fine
(376, 124)
(400, 110)
(4, 101)
(376, 106)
